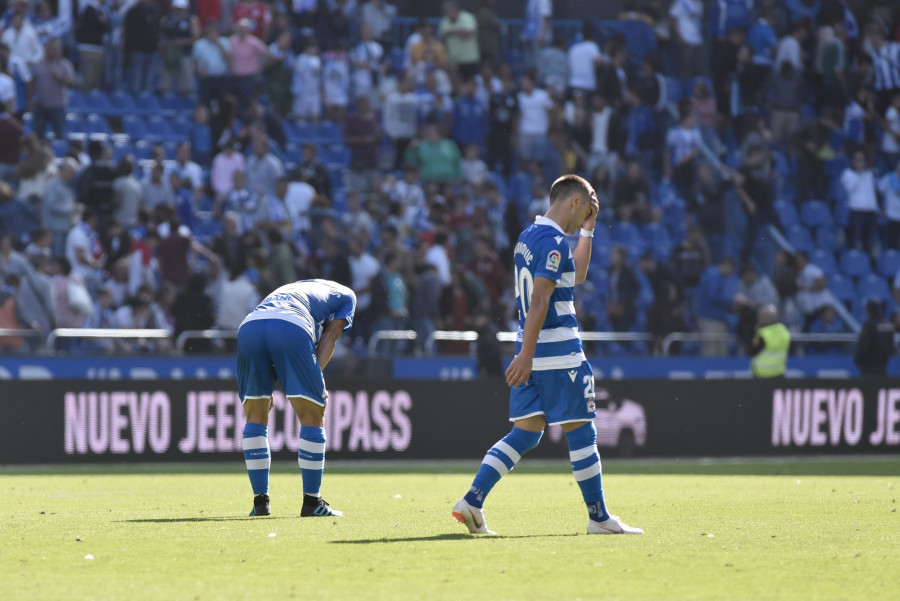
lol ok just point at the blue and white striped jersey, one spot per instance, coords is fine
(886, 63)
(542, 251)
(309, 304)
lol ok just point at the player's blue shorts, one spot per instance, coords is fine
(560, 395)
(270, 349)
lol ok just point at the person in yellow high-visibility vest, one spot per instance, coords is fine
(770, 345)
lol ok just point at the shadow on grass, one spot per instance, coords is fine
(438, 537)
(231, 518)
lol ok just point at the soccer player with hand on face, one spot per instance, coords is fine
(291, 336)
(550, 379)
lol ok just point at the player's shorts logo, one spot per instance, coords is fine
(553, 260)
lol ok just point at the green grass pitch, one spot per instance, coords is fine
(732, 530)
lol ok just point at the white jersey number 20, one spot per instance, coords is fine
(524, 288)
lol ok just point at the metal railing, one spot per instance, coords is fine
(506, 337)
(800, 337)
(82, 333)
(203, 335)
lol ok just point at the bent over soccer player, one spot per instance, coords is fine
(291, 336)
(550, 379)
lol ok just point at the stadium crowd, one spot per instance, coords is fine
(167, 164)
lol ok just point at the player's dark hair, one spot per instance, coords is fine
(568, 185)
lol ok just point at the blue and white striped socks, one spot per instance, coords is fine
(311, 458)
(500, 459)
(257, 456)
(586, 468)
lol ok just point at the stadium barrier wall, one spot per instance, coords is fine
(79, 421)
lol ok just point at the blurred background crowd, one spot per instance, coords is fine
(165, 164)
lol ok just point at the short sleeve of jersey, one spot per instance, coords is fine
(346, 306)
(551, 257)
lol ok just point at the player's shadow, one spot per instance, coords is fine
(438, 537)
(230, 518)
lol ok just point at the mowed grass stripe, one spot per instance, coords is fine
(737, 535)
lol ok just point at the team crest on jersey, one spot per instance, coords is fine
(591, 406)
(553, 260)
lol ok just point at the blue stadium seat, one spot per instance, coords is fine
(299, 132)
(121, 104)
(842, 288)
(598, 275)
(28, 122)
(147, 105)
(292, 152)
(60, 148)
(626, 233)
(76, 102)
(600, 257)
(397, 59)
(172, 104)
(157, 129)
(815, 214)
(828, 238)
(855, 263)
(824, 259)
(181, 125)
(96, 101)
(498, 180)
(674, 89)
(97, 124)
(787, 212)
(133, 126)
(75, 125)
(142, 150)
(800, 238)
(873, 286)
(836, 166)
(658, 240)
(337, 155)
(329, 131)
(888, 263)
(122, 150)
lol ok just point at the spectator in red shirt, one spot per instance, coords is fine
(257, 13)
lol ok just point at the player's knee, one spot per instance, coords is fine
(583, 435)
(526, 439)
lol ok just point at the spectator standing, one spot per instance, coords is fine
(427, 45)
(224, 166)
(534, 107)
(22, 39)
(364, 268)
(247, 54)
(469, 117)
(263, 168)
(307, 84)
(489, 32)
(876, 341)
(683, 148)
(127, 193)
(459, 32)
(366, 59)
(11, 131)
(83, 250)
(715, 300)
(53, 75)
(257, 14)
(812, 288)
(885, 62)
(538, 30)
(437, 158)
(707, 202)
(790, 47)
(827, 323)
(141, 31)
(624, 288)
(212, 56)
(401, 118)
(312, 171)
(186, 168)
(755, 188)
(687, 23)
(180, 29)
(95, 184)
(890, 138)
(336, 76)
(553, 66)
(770, 345)
(379, 14)
(786, 96)
(503, 113)
(859, 183)
(889, 186)
(93, 26)
(361, 134)
(279, 73)
(584, 58)
(58, 205)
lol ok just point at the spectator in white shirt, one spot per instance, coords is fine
(400, 116)
(534, 108)
(859, 183)
(186, 168)
(812, 288)
(366, 59)
(23, 40)
(790, 47)
(584, 57)
(686, 18)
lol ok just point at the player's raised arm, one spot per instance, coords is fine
(519, 370)
(582, 253)
(330, 335)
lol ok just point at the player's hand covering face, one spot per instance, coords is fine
(593, 211)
